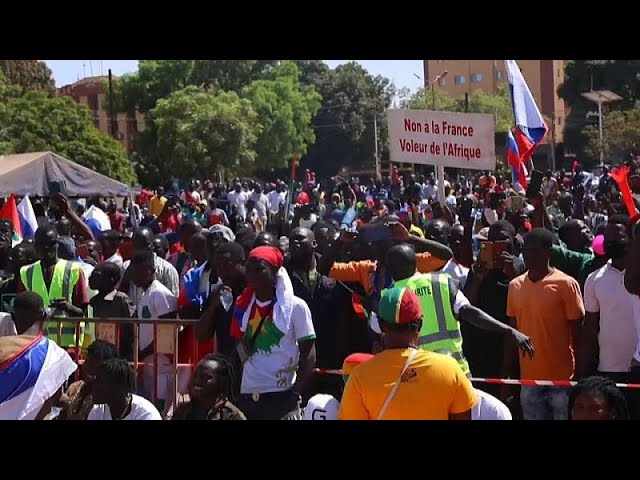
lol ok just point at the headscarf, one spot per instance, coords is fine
(284, 294)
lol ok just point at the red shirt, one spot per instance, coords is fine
(117, 221)
(303, 198)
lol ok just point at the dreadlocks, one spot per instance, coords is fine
(225, 373)
(119, 373)
(605, 388)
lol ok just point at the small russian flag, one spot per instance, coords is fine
(513, 159)
(530, 126)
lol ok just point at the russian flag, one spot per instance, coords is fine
(32, 370)
(28, 221)
(530, 126)
(10, 212)
(513, 159)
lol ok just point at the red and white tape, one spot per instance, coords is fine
(503, 381)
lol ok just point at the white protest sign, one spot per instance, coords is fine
(461, 140)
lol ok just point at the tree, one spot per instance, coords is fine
(29, 74)
(36, 122)
(156, 79)
(344, 125)
(619, 76)
(285, 110)
(621, 135)
(498, 104)
(197, 132)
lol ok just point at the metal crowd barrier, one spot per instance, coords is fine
(165, 342)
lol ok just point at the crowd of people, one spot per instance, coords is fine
(342, 299)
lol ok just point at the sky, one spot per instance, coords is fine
(401, 72)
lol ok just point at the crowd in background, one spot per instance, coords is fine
(408, 297)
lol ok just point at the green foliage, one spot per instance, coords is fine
(196, 132)
(480, 101)
(37, 122)
(619, 76)
(285, 110)
(344, 125)
(621, 132)
(28, 74)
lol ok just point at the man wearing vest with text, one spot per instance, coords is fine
(60, 283)
(442, 304)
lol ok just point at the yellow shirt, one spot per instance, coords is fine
(431, 388)
(156, 205)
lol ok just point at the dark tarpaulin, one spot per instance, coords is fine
(31, 173)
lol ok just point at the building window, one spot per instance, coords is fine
(442, 81)
(476, 78)
(440, 61)
(92, 101)
(499, 75)
(459, 80)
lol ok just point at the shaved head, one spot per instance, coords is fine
(401, 260)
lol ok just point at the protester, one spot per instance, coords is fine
(113, 395)
(79, 394)
(597, 398)
(60, 283)
(276, 338)
(546, 305)
(210, 392)
(404, 382)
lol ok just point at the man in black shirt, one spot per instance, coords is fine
(487, 290)
(19, 256)
(330, 305)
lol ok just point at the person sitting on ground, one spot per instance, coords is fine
(597, 398)
(113, 395)
(210, 392)
(80, 398)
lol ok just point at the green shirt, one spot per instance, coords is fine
(575, 264)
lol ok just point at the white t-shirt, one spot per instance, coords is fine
(635, 304)
(321, 407)
(489, 408)
(262, 203)
(275, 370)
(451, 200)
(429, 191)
(457, 272)
(7, 325)
(155, 302)
(141, 409)
(117, 259)
(275, 199)
(604, 292)
(239, 200)
(313, 219)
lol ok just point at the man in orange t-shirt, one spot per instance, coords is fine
(546, 305)
(403, 382)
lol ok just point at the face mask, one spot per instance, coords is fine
(615, 249)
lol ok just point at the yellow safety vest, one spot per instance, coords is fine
(65, 277)
(440, 327)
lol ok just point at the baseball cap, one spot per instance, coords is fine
(399, 305)
(226, 232)
(321, 407)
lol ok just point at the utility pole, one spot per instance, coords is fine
(553, 142)
(375, 135)
(111, 109)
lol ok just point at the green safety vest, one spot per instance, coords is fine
(440, 327)
(65, 277)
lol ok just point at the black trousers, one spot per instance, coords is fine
(268, 406)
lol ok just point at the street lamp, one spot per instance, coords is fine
(433, 88)
(601, 97)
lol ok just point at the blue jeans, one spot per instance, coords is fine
(545, 403)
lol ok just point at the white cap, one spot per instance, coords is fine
(321, 407)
